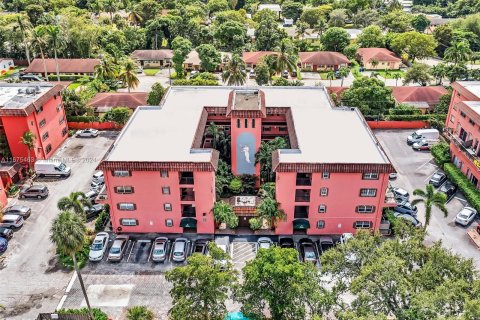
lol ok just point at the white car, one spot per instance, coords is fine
(98, 247)
(345, 237)
(465, 216)
(87, 133)
(264, 243)
(97, 186)
(98, 177)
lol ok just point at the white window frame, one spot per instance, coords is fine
(167, 206)
(323, 191)
(128, 222)
(166, 190)
(362, 224)
(368, 192)
(121, 173)
(370, 176)
(124, 189)
(169, 223)
(364, 208)
(322, 208)
(126, 206)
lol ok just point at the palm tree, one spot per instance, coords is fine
(374, 62)
(269, 209)
(28, 139)
(214, 131)
(439, 72)
(110, 6)
(285, 59)
(75, 203)
(430, 198)
(234, 73)
(396, 76)
(38, 40)
(224, 143)
(343, 72)
(223, 212)
(140, 313)
(53, 33)
(134, 16)
(129, 75)
(330, 76)
(264, 157)
(458, 52)
(23, 23)
(106, 69)
(68, 234)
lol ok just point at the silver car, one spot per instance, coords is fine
(87, 133)
(401, 194)
(466, 216)
(98, 247)
(20, 210)
(179, 250)
(11, 221)
(264, 243)
(159, 251)
(118, 248)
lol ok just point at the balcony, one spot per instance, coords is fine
(186, 178)
(302, 195)
(304, 179)
(187, 194)
(300, 212)
(188, 211)
(465, 147)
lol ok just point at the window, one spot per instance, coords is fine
(129, 222)
(167, 206)
(125, 206)
(40, 109)
(455, 107)
(121, 173)
(45, 136)
(169, 222)
(124, 189)
(48, 149)
(282, 129)
(326, 175)
(370, 176)
(362, 225)
(246, 123)
(471, 122)
(320, 224)
(323, 192)
(368, 192)
(463, 114)
(238, 123)
(59, 107)
(164, 173)
(64, 131)
(365, 209)
(452, 118)
(253, 123)
(61, 120)
(42, 123)
(322, 208)
(165, 190)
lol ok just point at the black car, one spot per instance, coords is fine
(449, 189)
(93, 211)
(286, 243)
(3, 245)
(200, 246)
(307, 251)
(325, 243)
(438, 179)
(6, 233)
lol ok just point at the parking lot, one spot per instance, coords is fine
(35, 282)
(414, 171)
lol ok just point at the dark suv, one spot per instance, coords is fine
(38, 191)
(449, 189)
(438, 179)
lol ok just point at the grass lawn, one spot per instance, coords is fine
(390, 74)
(74, 85)
(151, 72)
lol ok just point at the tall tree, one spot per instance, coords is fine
(74, 202)
(24, 25)
(128, 75)
(330, 76)
(430, 199)
(201, 288)
(371, 37)
(53, 32)
(210, 58)
(414, 44)
(68, 234)
(286, 58)
(264, 157)
(28, 140)
(420, 22)
(234, 71)
(418, 73)
(343, 73)
(335, 39)
(458, 52)
(369, 95)
(134, 16)
(39, 42)
(110, 6)
(270, 210)
(181, 48)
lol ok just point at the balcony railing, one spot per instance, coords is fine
(305, 198)
(465, 147)
(186, 180)
(188, 197)
(304, 182)
(189, 213)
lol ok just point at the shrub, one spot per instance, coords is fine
(236, 185)
(97, 313)
(140, 313)
(255, 223)
(82, 119)
(232, 221)
(408, 117)
(12, 190)
(249, 181)
(441, 153)
(404, 110)
(466, 187)
(102, 220)
(118, 115)
(82, 257)
(195, 82)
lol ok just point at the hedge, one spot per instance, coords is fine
(441, 153)
(408, 117)
(97, 313)
(466, 187)
(82, 119)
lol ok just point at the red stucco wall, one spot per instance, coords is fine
(397, 124)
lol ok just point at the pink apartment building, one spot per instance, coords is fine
(463, 127)
(160, 172)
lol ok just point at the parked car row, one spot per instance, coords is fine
(13, 218)
(423, 139)
(404, 209)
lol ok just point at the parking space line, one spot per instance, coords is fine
(131, 249)
(428, 162)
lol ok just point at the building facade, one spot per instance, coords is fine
(463, 127)
(160, 172)
(35, 108)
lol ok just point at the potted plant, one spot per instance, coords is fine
(256, 223)
(222, 213)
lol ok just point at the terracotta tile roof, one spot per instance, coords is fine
(431, 95)
(64, 65)
(337, 90)
(255, 56)
(161, 54)
(381, 54)
(319, 58)
(119, 99)
(192, 58)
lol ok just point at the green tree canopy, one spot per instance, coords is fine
(292, 9)
(371, 37)
(418, 73)
(156, 94)
(181, 48)
(414, 44)
(396, 21)
(335, 39)
(369, 95)
(210, 58)
(118, 115)
(420, 22)
(311, 16)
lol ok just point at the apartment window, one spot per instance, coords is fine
(167, 206)
(126, 206)
(48, 149)
(463, 114)
(238, 123)
(471, 122)
(368, 192)
(64, 131)
(455, 107)
(304, 179)
(169, 222)
(282, 129)
(61, 120)
(124, 189)
(40, 109)
(45, 136)
(452, 118)
(253, 123)
(165, 190)
(370, 176)
(362, 225)
(320, 224)
(121, 173)
(323, 192)
(164, 173)
(326, 175)
(365, 209)
(42, 123)
(246, 123)
(300, 212)
(129, 222)
(322, 208)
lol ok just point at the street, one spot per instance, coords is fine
(414, 171)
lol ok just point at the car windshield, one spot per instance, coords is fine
(61, 167)
(309, 255)
(463, 215)
(264, 245)
(115, 250)
(415, 135)
(158, 251)
(178, 254)
(96, 247)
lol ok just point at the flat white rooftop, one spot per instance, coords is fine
(18, 96)
(325, 135)
(474, 105)
(472, 86)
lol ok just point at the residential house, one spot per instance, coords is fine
(272, 7)
(378, 59)
(105, 101)
(153, 58)
(85, 67)
(423, 98)
(193, 62)
(322, 60)
(251, 59)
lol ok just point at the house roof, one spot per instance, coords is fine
(323, 58)
(152, 54)
(255, 56)
(119, 99)
(274, 7)
(64, 66)
(381, 54)
(21, 99)
(430, 95)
